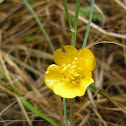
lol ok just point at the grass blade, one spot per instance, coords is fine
(67, 14)
(89, 23)
(26, 103)
(93, 88)
(31, 108)
(39, 23)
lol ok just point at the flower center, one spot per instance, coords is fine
(71, 73)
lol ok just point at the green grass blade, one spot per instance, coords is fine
(93, 88)
(26, 103)
(31, 108)
(39, 23)
(89, 23)
(76, 15)
(67, 14)
(6, 79)
(28, 67)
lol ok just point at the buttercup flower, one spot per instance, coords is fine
(73, 72)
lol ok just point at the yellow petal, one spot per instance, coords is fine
(85, 82)
(85, 72)
(66, 57)
(87, 59)
(68, 90)
(53, 75)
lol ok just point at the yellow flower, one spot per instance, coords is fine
(73, 72)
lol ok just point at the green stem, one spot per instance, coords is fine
(89, 23)
(73, 43)
(73, 31)
(72, 104)
(73, 38)
(65, 113)
(39, 23)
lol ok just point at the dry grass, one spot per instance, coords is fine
(25, 54)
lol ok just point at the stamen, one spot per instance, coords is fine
(71, 73)
(76, 58)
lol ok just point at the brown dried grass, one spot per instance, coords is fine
(25, 62)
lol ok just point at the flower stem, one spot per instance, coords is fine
(89, 23)
(72, 104)
(73, 43)
(65, 113)
(73, 31)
